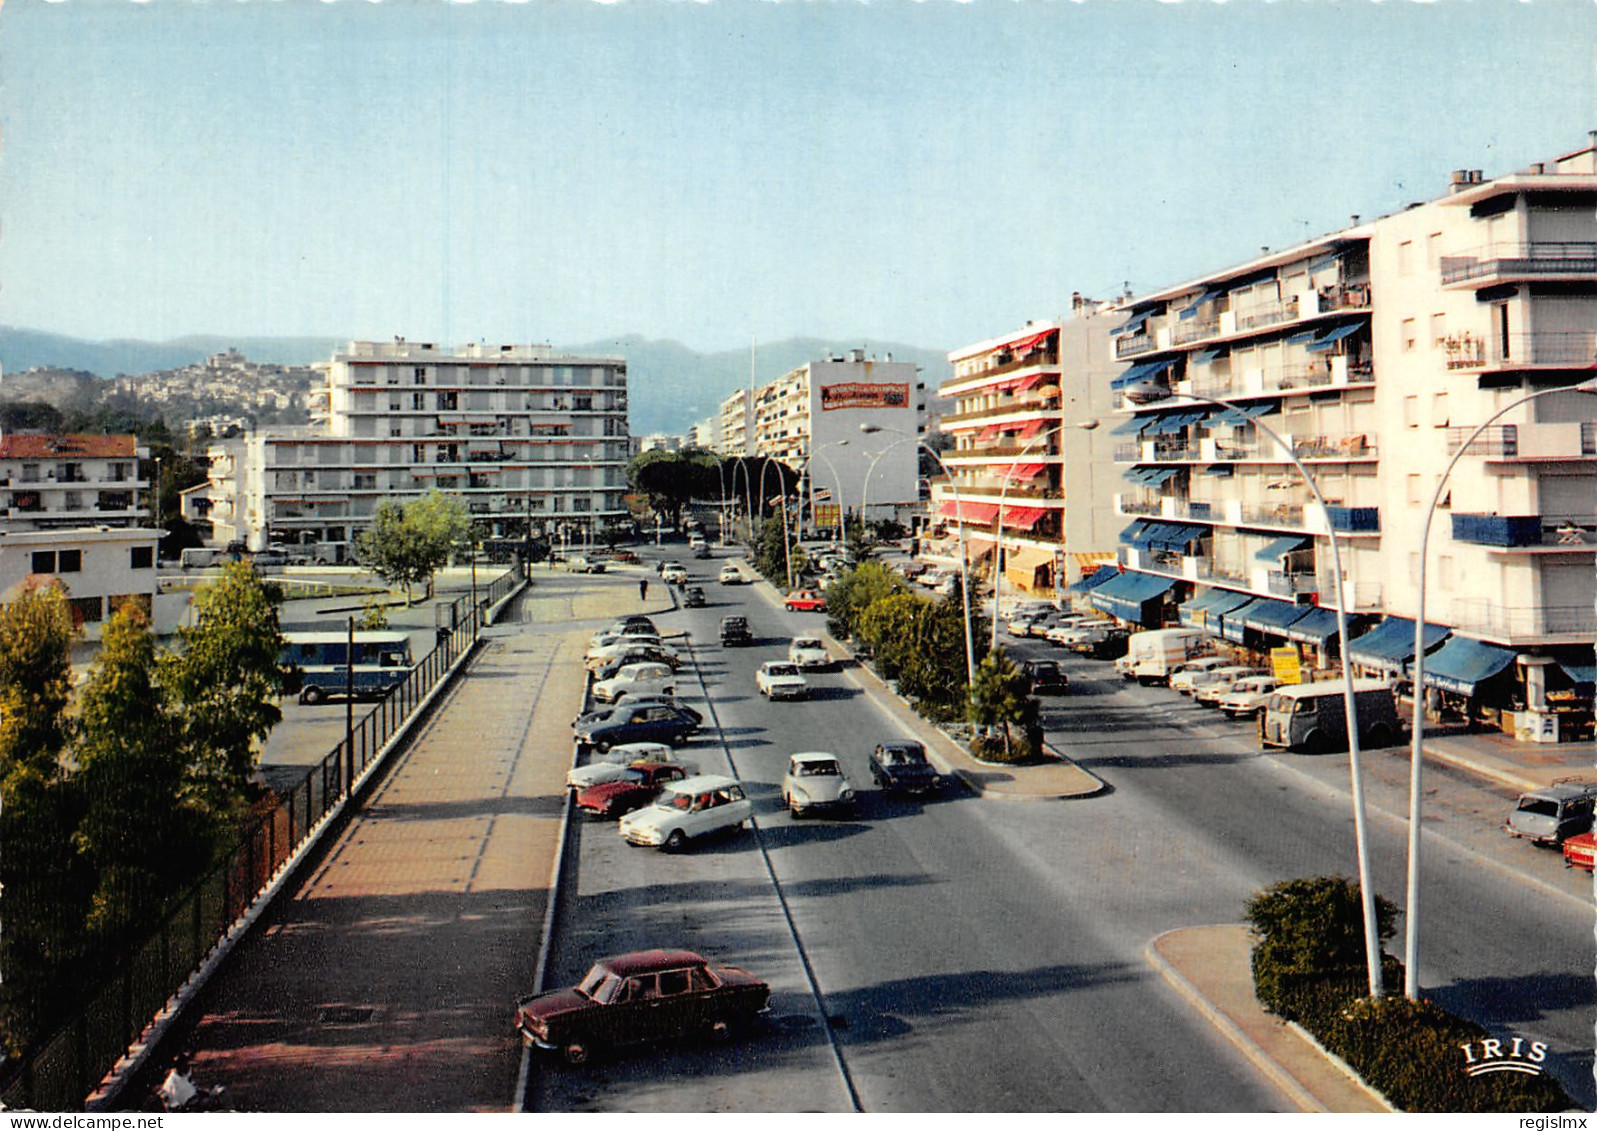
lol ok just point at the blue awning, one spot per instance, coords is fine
(1136, 534)
(1244, 413)
(1200, 607)
(1209, 294)
(1233, 623)
(1300, 338)
(1127, 596)
(1271, 616)
(1155, 476)
(1135, 324)
(1579, 671)
(1207, 355)
(1390, 644)
(1229, 602)
(1102, 574)
(1279, 548)
(1462, 663)
(1131, 426)
(1145, 371)
(1314, 627)
(1331, 337)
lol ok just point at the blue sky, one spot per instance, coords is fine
(930, 173)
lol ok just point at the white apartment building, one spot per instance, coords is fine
(1030, 464)
(100, 568)
(60, 482)
(734, 434)
(517, 431)
(1374, 352)
(810, 419)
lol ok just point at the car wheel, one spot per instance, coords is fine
(720, 1031)
(577, 1051)
(312, 695)
(676, 841)
(1315, 743)
(1380, 735)
(602, 747)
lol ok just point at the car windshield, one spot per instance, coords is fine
(600, 985)
(806, 642)
(818, 770)
(1539, 806)
(674, 799)
(780, 669)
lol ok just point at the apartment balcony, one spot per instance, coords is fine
(1194, 330)
(1046, 359)
(1334, 371)
(1531, 260)
(1290, 585)
(1139, 507)
(1270, 314)
(1133, 346)
(1348, 296)
(1546, 349)
(1017, 407)
(992, 493)
(1222, 573)
(1354, 520)
(1510, 532)
(1524, 623)
(1287, 515)
(969, 457)
(1355, 446)
(1169, 451)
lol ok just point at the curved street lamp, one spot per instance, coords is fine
(787, 548)
(964, 574)
(1150, 393)
(835, 479)
(1411, 936)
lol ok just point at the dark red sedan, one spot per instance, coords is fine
(639, 785)
(649, 995)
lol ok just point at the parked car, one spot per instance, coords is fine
(636, 679)
(1580, 851)
(805, 601)
(605, 710)
(639, 784)
(613, 763)
(808, 653)
(687, 810)
(638, 722)
(614, 641)
(648, 995)
(1044, 677)
(1020, 624)
(1246, 697)
(1220, 681)
(778, 679)
(693, 597)
(627, 557)
(626, 645)
(636, 624)
(1553, 814)
(902, 767)
(581, 564)
(674, 574)
(1181, 679)
(735, 632)
(815, 782)
(731, 575)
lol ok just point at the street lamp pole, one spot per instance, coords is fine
(1372, 940)
(1411, 937)
(964, 572)
(836, 537)
(787, 548)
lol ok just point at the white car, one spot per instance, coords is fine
(636, 679)
(731, 575)
(815, 781)
(1063, 626)
(808, 653)
(687, 810)
(1247, 696)
(674, 574)
(605, 639)
(1183, 678)
(1219, 682)
(612, 764)
(778, 679)
(598, 657)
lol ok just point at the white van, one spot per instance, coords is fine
(1312, 717)
(202, 557)
(1151, 656)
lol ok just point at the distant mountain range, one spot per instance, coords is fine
(672, 386)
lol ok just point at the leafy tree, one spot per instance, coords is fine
(406, 545)
(139, 835)
(770, 557)
(999, 699)
(35, 682)
(849, 596)
(672, 480)
(223, 686)
(888, 626)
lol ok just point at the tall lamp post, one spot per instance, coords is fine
(964, 573)
(1149, 393)
(787, 549)
(1411, 937)
(835, 479)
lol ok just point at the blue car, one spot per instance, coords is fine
(643, 722)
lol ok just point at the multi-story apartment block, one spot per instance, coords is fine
(58, 482)
(734, 435)
(518, 432)
(702, 435)
(1373, 353)
(1027, 467)
(99, 568)
(810, 419)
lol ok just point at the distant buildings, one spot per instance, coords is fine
(518, 432)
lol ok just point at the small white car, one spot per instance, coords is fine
(605, 639)
(674, 574)
(598, 657)
(731, 575)
(1183, 678)
(613, 763)
(815, 782)
(687, 810)
(808, 653)
(778, 679)
(1219, 681)
(636, 679)
(1247, 696)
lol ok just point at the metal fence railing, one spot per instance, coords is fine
(63, 1071)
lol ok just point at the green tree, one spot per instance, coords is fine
(673, 480)
(406, 545)
(850, 595)
(999, 700)
(888, 626)
(139, 835)
(770, 556)
(223, 687)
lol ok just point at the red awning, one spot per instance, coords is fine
(1029, 429)
(988, 433)
(1022, 518)
(1022, 471)
(1024, 383)
(972, 512)
(1031, 341)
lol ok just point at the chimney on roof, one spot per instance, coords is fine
(1538, 168)
(1474, 176)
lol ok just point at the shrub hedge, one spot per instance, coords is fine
(1309, 967)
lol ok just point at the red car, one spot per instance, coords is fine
(805, 601)
(1580, 851)
(648, 995)
(640, 785)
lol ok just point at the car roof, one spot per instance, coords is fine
(1562, 791)
(702, 782)
(901, 744)
(646, 961)
(814, 756)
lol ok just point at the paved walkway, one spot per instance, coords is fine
(386, 982)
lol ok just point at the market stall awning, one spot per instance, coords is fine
(1196, 611)
(1100, 575)
(1390, 644)
(1021, 565)
(1580, 672)
(1462, 663)
(1315, 627)
(1128, 595)
(1266, 615)
(1234, 622)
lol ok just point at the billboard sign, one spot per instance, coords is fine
(864, 394)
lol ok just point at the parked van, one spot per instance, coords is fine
(1311, 716)
(202, 557)
(382, 660)
(1151, 656)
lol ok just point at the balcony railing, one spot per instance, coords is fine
(1356, 446)
(1175, 451)
(1194, 330)
(1350, 296)
(1141, 506)
(1216, 571)
(1501, 440)
(1132, 346)
(1513, 531)
(1202, 511)
(1269, 314)
(1291, 584)
(1515, 260)
(1127, 453)
(1588, 438)
(1278, 514)
(1574, 348)
(1355, 520)
(1048, 403)
(1492, 619)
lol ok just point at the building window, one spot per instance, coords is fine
(1439, 411)
(87, 610)
(419, 375)
(43, 561)
(141, 557)
(418, 402)
(1411, 412)
(1405, 257)
(447, 402)
(1438, 330)
(1408, 334)
(1433, 249)
(1413, 490)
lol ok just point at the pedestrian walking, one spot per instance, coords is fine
(643, 589)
